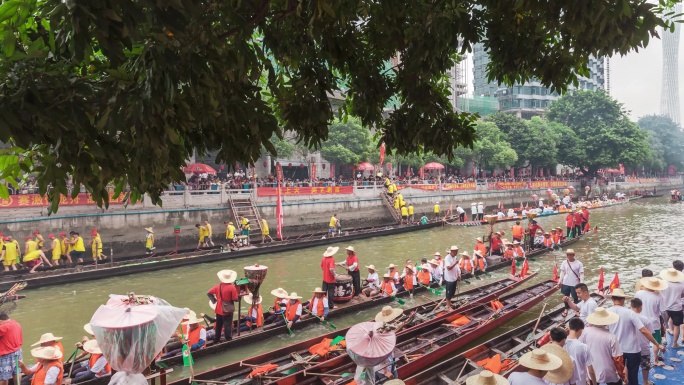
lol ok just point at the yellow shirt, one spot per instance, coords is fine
(333, 222)
(35, 254)
(149, 240)
(387, 182)
(56, 249)
(410, 210)
(97, 243)
(230, 232)
(65, 248)
(202, 232)
(31, 246)
(11, 250)
(209, 232)
(436, 210)
(264, 227)
(404, 211)
(396, 203)
(39, 240)
(78, 246)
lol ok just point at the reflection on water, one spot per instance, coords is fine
(631, 237)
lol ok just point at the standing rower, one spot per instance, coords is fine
(224, 295)
(65, 246)
(202, 234)
(496, 244)
(517, 232)
(265, 232)
(39, 239)
(77, 246)
(480, 211)
(435, 210)
(230, 235)
(329, 274)
(149, 240)
(208, 233)
(10, 253)
(55, 249)
(332, 226)
(30, 245)
(96, 245)
(352, 265)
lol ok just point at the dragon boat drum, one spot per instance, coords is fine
(344, 289)
(256, 274)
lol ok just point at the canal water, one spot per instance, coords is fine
(645, 233)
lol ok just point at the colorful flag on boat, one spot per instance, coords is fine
(525, 268)
(615, 283)
(555, 273)
(279, 213)
(601, 280)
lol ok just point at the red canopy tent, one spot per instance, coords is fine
(433, 166)
(364, 166)
(199, 168)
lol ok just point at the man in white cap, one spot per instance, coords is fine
(673, 301)
(480, 211)
(452, 274)
(473, 211)
(223, 296)
(538, 363)
(329, 274)
(627, 330)
(48, 370)
(571, 274)
(604, 348)
(352, 265)
(653, 303)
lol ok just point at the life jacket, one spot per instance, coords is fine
(556, 238)
(31, 246)
(424, 277)
(93, 360)
(496, 304)
(259, 317)
(320, 307)
(480, 263)
(404, 211)
(39, 240)
(481, 247)
(58, 345)
(517, 231)
(194, 336)
(548, 242)
(395, 277)
(408, 281)
(508, 254)
(41, 373)
(519, 251)
(97, 244)
(386, 288)
(291, 310)
(467, 267)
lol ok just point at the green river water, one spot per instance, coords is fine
(631, 237)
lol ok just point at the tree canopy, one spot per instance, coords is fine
(667, 136)
(348, 143)
(100, 90)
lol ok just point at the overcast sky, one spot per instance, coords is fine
(635, 79)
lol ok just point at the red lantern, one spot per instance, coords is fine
(277, 163)
(265, 163)
(221, 167)
(323, 166)
(301, 165)
(289, 165)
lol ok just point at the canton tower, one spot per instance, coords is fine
(669, 96)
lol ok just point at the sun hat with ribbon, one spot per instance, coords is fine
(465, 254)
(486, 377)
(47, 353)
(602, 317)
(564, 373)
(192, 321)
(672, 275)
(391, 266)
(227, 276)
(653, 283)
(452, 248)
(330, 251)
(388, 314)
(279, 293)
(433, 262)
(318, 290)
(540, 360)
(293, 295)
(92, 347)
(47, 337)
(570, 251)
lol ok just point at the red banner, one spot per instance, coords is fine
(279, 172)
(271, 191)
(511, 185)
(313, 171)
(332, 170)
(459, 186)
(35, 200)
(549, 184)
(424, 187)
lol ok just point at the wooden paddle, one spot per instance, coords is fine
(286, 321)
(401, 302)
(319, 318)
(530, 336)
(432, 290)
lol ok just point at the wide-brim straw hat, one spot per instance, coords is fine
(149, 230)
(569, 251)
(293, 295)
(424, 266)
(189, 313)
(249, 297)
(227, 276)
(330, 251)
(372, 267)
(279, 293)
(47, 353)
(318, 290)
(386, 276)
(672, 275)
(47, 337)
(391, 266)
(479, 239)
(465, 254)
(473, 204)
(88, 329)
(350, 248)
(516, 242)
(480, 203)
(92, 347)
(478, 253)
(410, 267)
(436, 254)
(486, 377)
(619, 293)
(433, 262)
(540, 360)
(653, 283)
(388, 314)
(602, 317)
(191, 321)
(564, 373)
(453, 248)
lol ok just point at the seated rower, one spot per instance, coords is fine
(394, 274)
(500, 215)
(255, 316)
(538, 240)
(518, 251)
(436, 271)
(508, 253)
(96, 367)
(196, 338)
(466, 263)
(479, 245)
(278, 307)
(559, 235)
(409, 279)
(372, 282)
(424, 277)
(387, 288)
(34, 259)
(46, 340)
(392, 317)
(48, 369)
(293, 311)
(548, 241)
(318, 305)
(496, 245)
(479, 261)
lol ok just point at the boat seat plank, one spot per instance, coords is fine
(445, 378)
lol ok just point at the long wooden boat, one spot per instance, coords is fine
(125, 266)
(438, 336)
(508, 346)
(647, 196)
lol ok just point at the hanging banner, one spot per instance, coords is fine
(445, 186)
(382, 154)
(332, 170)
(35, 200)
(313, 172)
(511, 185)
(272, 191)
(549, 184)
(279, 172)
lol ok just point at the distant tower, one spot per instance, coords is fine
(669, 96)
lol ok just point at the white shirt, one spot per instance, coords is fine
(524, 378)
(586, 307)
(50, 376)
(511, 213)
(523, 213)
(373, 280)
(315, 302)
(436, 272)
(673, 296)
(566, 200)
(541, 203)
(453, 274)
(501, 215)
(480, 209)
(581, 358)
(460, 210)
(602, 346)
(644, 343)
(473, 209)
(569, 278)
(653, 305)
(627, 329)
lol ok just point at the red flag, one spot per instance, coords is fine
(526, 205)
(601, 280)
(615, 283)
(521, 206)
(513, 267)
(382, 154)
(525, 268)
(555, 273)
(313, 172)
(279, 212)
(421, 173)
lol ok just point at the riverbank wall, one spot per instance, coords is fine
(122, 228)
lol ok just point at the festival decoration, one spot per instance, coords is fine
(368, 345)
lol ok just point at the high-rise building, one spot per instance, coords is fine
(669, 94)
(532, 98)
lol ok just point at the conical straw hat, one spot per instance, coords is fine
(486, 377)
(388, 314)
(672, 275)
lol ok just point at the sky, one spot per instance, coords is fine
(635, 79)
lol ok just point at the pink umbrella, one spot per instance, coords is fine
(199, 168)
(364, 166)
(367, 346)
(433, 166)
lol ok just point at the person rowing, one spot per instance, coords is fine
(279, 305)
(55, 250)
(394, 274)
(255, 315)
(149, 240)
(466, 263)
(548, 242)
(195, 337)
(318, 304)
(479, 261)
(508, 253)
(518, 251)
(424, 275)
(96, 366)
(293, 311)
(436, 271)
(392, 317)
(387, 287)
(48, 370)
(372, 282)
(480, 246)
(409, 278)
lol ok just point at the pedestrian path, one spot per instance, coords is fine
(673, 371)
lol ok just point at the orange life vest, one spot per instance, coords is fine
(259, 317)
(517, 231)
(408, 281)
(467, 267)
(320, 307)
(548, 242)
(479, 246)
(194, 336)
(58, 345)
(395, 277)
(508, 254)
(93, 360)
(519, 250)
(424, 277)
(41, 373)
(291, 310)
(480, 263)
(386, 288)
(556, 238)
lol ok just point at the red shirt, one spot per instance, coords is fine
(585, 216)
(496, 243)
(352, 260)
(10, 337)
(578, 218)
(328, 263)
(534, 228)
(223, 292)
(569, 219)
